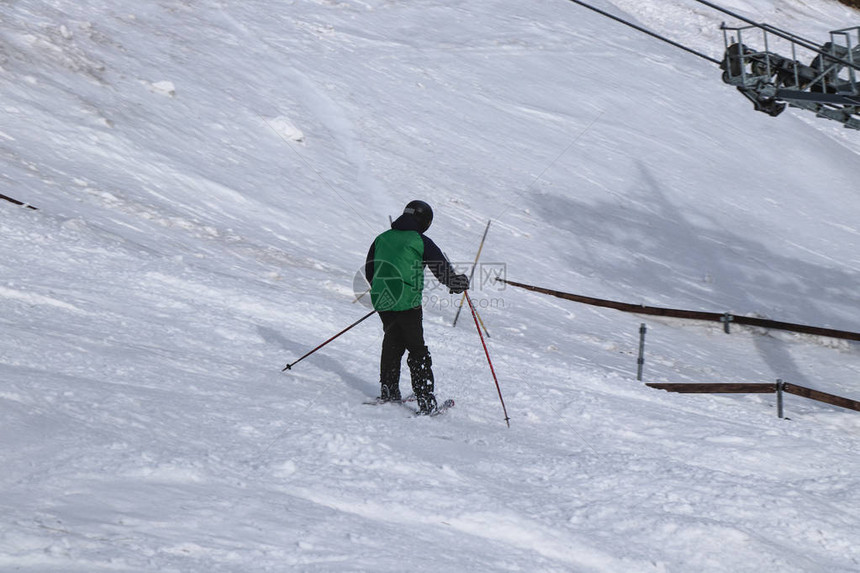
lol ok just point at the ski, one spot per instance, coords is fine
(379, 401)
(446, 405)
(438, 411)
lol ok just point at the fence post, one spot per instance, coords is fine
(780, 386)
(640, 362)
(726, 320)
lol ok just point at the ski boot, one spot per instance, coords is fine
(389, 386)
(422, 381)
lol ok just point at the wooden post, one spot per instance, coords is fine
(714, 387)
(16, 202)
(690, 314)
(781, 388)
(640, 362)
(822, 397)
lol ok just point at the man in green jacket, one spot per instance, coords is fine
(395, 271)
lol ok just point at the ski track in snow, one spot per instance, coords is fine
(208, 180)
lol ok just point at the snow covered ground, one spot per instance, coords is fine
(209, 176)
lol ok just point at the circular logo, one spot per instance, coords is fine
(389, 286)
(361, 289)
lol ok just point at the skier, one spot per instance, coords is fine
(395, 271)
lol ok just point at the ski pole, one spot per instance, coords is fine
(472, 275)
(361, 296)
(487, 352)
(481, 320)
(363, 318)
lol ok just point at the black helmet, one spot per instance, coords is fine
(422, 213)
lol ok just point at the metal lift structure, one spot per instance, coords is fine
(828, 84)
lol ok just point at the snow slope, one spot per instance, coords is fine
(209, 176)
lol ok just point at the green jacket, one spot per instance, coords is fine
(398, 270)
(395, 266)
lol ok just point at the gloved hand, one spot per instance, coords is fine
(458, 284)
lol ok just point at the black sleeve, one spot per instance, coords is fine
(436, 261)
(368, 263)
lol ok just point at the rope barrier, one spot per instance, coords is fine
(725, 318)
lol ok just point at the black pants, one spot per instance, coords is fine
(404, 331)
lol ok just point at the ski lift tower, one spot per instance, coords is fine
(827, 86)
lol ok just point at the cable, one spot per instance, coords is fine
(773, 29)
(646, 31)
(794, 38)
